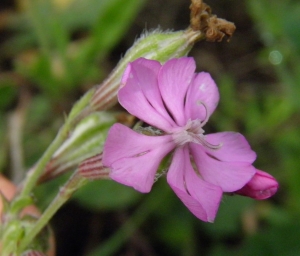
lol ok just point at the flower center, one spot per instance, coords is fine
(193, 132)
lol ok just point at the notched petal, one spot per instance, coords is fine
(200, 197)
(140, 96)
(204, 90)
(230, 176)
(134, 158)
(235, 147)
(174, 79)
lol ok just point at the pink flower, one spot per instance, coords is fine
(172, 98)
(261, 186)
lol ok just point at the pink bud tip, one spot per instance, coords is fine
(261, 186)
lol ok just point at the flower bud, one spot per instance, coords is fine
(86, 140)
(261, 186)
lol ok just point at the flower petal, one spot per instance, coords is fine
(200, 197)
(235, 147)
(134, 158)
(173, 80)
(203, 89)
(140, 96)
(230, 176)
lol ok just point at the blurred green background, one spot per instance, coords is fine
(52, 51)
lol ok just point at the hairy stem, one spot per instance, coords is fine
(75, 182)
(35, 173)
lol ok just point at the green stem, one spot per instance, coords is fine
(75, 182)
(80, 110)
(33, 175)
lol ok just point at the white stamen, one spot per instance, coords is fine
(206, 112)
(193, 132)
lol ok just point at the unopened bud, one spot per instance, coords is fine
(261, 186)
(86, 140)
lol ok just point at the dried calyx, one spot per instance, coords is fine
(203, 20)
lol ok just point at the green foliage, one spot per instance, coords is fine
(60, 64)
